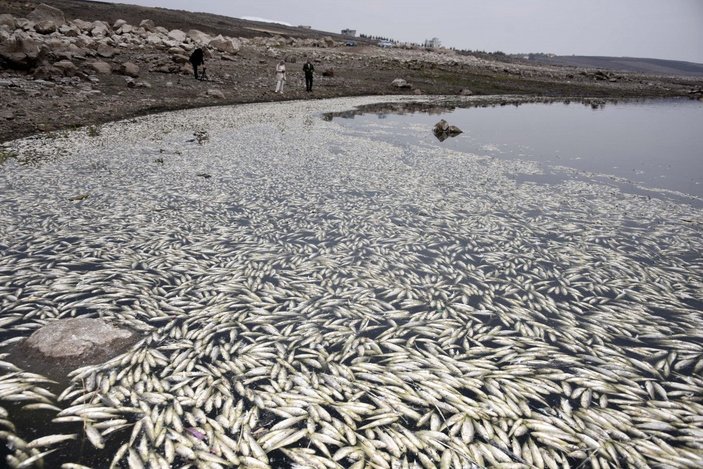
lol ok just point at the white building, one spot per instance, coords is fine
(349, 32)
(433, 43)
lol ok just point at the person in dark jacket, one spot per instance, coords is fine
(309, 69)
(197, 58)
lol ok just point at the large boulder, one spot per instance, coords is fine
(154, 39)
(21, 53)
(76, 337)
(83, 26)
(9, 21)
(147, 25)
(44, 12)
(100, 29)
(118, 24)
(125, 29)
(177, 35)
(223, 44)
(62, 345)
(199, 37)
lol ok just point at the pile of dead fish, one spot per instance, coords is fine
(329, 301)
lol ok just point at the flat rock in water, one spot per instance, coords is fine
(74, 338)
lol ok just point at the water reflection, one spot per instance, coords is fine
(646, 144)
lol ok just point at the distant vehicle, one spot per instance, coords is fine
(350, 44)
(385, 44)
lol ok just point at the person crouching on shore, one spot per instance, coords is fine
(280, 76)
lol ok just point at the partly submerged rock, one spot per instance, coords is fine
(442, 130)
(66, 344)
(75, 338)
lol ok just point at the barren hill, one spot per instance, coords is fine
(627, 64)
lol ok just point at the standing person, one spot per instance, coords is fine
(197, 58)
(280, 76)
(309, 69)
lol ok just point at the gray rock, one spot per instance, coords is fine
(223, 44)
(213, 93)
(44, 12)
(70, 30)
(8, 20)
(103, 68)
(73, 338)
(465, 92)
(130, 69)
(45, 27)
(22, 53)
(143, 84)
(67, 67)
(106, 51)
(177, 35)
(199, 37)
(400, 83)
(442, 130)
(180, 58)
(147, 25)
(82, 25)
(154, 38)
(441, 126)
(118, 24)
(100, 29)
(125, 29)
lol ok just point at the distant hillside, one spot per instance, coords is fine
(625, 64)
(170, 19)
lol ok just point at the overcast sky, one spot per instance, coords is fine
(666, 29)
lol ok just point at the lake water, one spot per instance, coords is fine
(647, 145)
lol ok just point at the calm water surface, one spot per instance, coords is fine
(651, 144)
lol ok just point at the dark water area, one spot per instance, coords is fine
(648, 144)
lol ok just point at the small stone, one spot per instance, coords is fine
(215, 94)
(400, 83)
(130, 69)
(101, 67)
